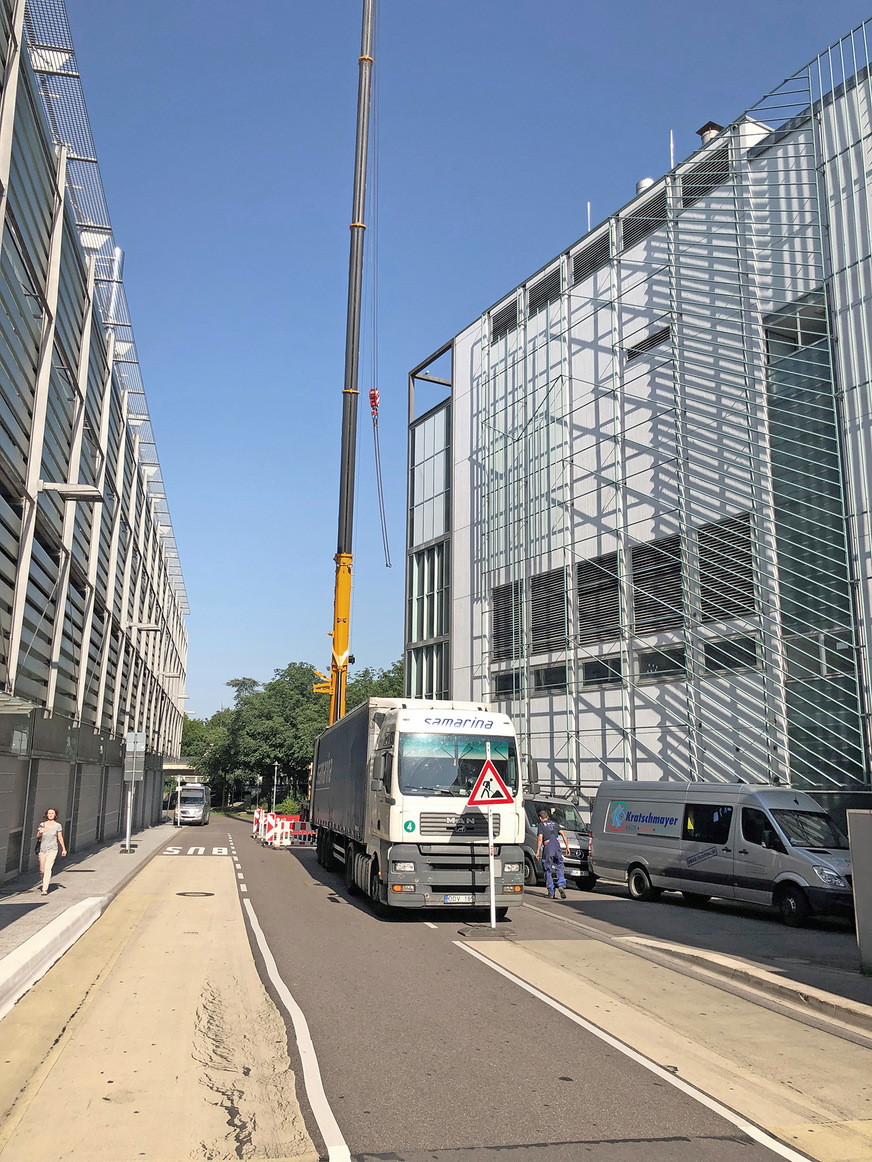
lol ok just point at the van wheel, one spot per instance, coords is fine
(639, 885)
(695, 899)
(530, 876)
(586, 883)
(792, 904)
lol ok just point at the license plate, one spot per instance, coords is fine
(457, 899)
(572, 872)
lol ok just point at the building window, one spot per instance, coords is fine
(726, 569)
(706, 176)
(601, 672)
(548, 612)
(507, 621)
(506, 685)
(428, 674)
(504, 320)
(591, 258)
(599, 599)
(430, 475)
(657, 596)
(549, 679)
(428, 593)
(655, 339)
(735, 653)
(661, 665)
(544, 292)
(644, 221)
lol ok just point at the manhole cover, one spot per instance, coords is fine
(195, 893)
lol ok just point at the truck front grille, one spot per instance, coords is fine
(466, 826)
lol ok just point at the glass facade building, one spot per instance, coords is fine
(658, 540)
(92, 601)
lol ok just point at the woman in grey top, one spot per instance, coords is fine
(50, 835)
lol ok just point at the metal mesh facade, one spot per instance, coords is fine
(674, 417)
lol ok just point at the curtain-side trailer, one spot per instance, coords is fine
(390, 784)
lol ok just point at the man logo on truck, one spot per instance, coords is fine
(617, 820)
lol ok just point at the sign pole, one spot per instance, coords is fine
(490, 850)
(129, 817)
(134, 772)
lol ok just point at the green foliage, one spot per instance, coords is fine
(289, 806)
(273, 723)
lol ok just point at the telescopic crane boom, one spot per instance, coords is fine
(335, 684)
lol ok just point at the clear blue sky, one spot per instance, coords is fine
(225, 136)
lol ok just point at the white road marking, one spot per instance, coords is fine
(427, 924)
(337, 1148)
(240, 876)
(773, 1144)
(243, 888)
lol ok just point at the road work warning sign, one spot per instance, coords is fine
(489, 789)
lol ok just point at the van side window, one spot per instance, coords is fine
(757, 828)
(707, 822)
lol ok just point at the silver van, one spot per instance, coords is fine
(191, 804)
(761, 844)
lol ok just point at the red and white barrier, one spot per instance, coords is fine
(282, 830)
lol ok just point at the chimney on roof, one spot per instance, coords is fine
(709, 131)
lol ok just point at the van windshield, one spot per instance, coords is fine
(565, 815)
(192, 798)
(449, 764)
(810, 829)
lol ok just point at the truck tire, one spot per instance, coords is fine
(378, 907)
(501, 913)
(792, 904)
(639, 884)
(329, 861)
(530, 877)
(350, 885)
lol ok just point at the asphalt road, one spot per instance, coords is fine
(429, 1054)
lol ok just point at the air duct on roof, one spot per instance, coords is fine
(709, 131)
(644, 184)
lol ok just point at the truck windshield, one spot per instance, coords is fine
(565, 815)
(810, 829)
(449, 764)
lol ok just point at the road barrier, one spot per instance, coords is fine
(281, 830)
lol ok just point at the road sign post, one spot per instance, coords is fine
(134, 772)
(490, 791)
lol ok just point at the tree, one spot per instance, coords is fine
(370, 683)
(243, 688)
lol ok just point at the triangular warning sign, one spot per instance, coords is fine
(489, 789)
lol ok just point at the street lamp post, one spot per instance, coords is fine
(275, 784)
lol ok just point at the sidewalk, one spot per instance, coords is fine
(35, 931)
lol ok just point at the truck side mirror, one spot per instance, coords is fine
(532, 773)
(375, 785)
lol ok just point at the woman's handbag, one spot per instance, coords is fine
(38, 839)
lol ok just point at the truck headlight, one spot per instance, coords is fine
(511, 867)
(402, 865)
(830, 878)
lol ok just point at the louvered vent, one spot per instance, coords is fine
(599, 599)
(726, 569)
(543, 292)
(592, 258)
(548, 612)
(712, 171)
(657, 595)
(655, 339)
(507, 621)
(645, 220)
(504, 320)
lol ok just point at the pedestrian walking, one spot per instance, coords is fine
(50, 837)
(549, 850)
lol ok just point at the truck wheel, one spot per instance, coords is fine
(350, 885)
(378, 907)
(501, 913)
(530, 876)
(329, 861)
(792, 904)
(639, 885)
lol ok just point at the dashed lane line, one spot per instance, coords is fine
(337, 1148)
(755, 1132)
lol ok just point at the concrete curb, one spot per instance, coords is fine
(25, 965)
(808, 997)
(22, 968)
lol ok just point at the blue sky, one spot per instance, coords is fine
(225, 134)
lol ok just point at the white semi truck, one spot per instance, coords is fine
(390, 784)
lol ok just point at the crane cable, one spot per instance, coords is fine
(374, 394)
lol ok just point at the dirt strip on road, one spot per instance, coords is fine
(153, 1038)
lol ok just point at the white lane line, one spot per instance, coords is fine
(240, 876)
(773, 1144)
(243, 888)
(337, 1148)
(427, 924)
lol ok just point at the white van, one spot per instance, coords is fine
(736, 841)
